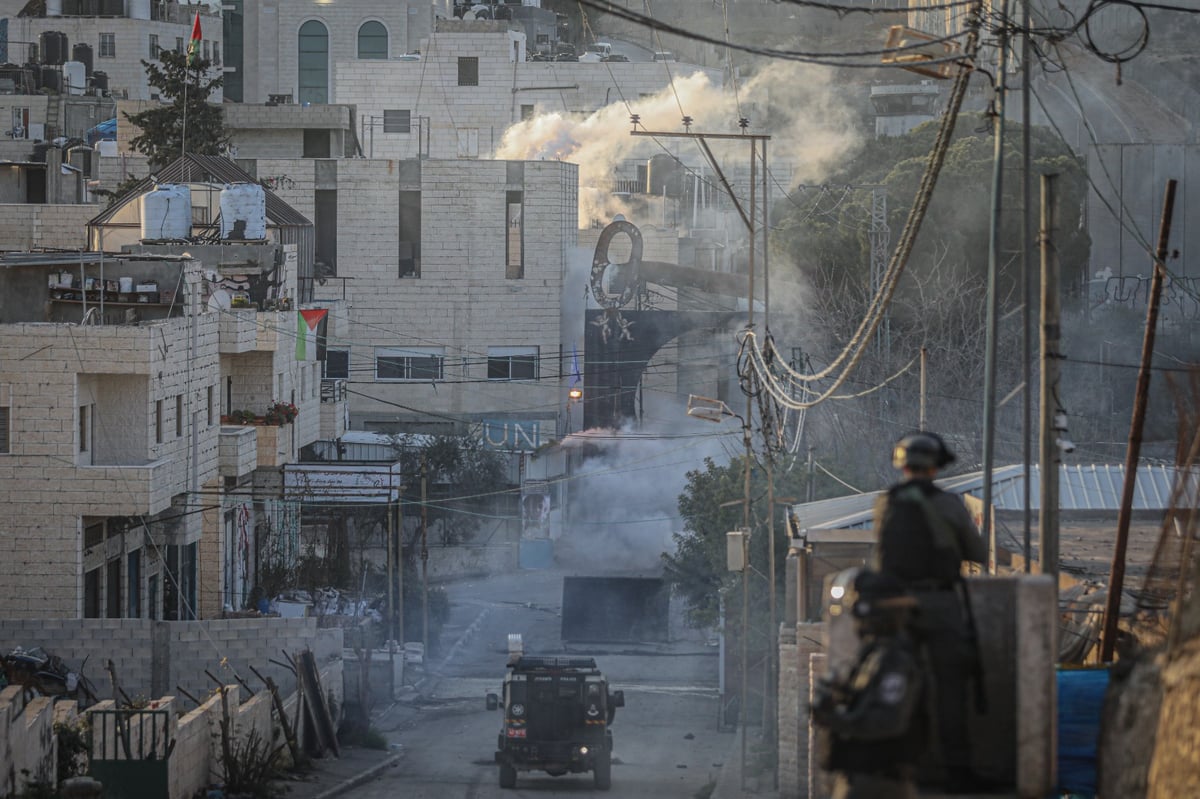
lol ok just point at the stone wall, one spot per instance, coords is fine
(448, 563)
(153, 657)
(796, 644)
(27, 742)
(24, 227)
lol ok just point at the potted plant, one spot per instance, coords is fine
(239, 417)
(280, 413)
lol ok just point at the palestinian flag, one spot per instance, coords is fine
(307, 323)
(193, 51)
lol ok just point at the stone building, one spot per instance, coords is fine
(452, 276)
(288, 50)
(132, 488)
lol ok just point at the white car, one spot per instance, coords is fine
(596, 52)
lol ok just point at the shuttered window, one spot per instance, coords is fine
(5, 439)
(397, 121)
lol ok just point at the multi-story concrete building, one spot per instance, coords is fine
(472, 82)
(289, 49)
(138, 447)
(110, 38)
(452, 273)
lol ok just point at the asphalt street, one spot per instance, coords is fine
(667, 744)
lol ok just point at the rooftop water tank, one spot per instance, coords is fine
(82, 52)
(167, 213)
(51, 79)
(662, 175)
(244, 212)
(74, 77)
(139, 9)
(100, 81)
(52, 45)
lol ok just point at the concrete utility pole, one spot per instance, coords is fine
(989, 368)
(1116, 580)
(1050, 456)
(424, 561)
(751, 222)
(1026, 285)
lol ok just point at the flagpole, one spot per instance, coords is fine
(191, 57)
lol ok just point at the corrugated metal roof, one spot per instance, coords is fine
(208, 169)
(1093, 487)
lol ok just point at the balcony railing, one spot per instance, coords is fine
(333, 389)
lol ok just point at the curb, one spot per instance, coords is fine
(359, 779)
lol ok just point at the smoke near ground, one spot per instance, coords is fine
(811, 125)
(624, 499)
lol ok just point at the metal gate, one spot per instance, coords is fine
(128, 752)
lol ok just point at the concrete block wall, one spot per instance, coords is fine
(797, 643)
(447, 563)
(28, 747)
(88, 644)
(24, 227)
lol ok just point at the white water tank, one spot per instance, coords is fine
(244, 212)
(54, 8)
(167, 213)
(137, 9)
(74, 77)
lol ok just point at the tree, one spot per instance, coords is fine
(697, 570)
(162, 128)
(940, 303)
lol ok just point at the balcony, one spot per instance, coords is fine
(140, 490)
(238, 331)
(238, 454)
(335, 408)
(274, 445)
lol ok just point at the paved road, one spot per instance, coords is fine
(666, 741)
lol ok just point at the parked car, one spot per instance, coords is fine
(614, 57)
(663, 55)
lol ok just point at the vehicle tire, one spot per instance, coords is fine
(602, 772)
(508, 776)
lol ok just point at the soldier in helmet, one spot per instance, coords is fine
(923, 535)
(877, 714)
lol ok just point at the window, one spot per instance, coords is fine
(410, 363)
(179, 416)
(179, 48)
(5, 421)
(512, 363)
(316, 144)
(399, 121)
(209, 399)
(325, 226)
(153, 48)
(526, 112)
(158, 421)
(112, 590)
(85, 428)
(133, 592)
(410, 234)
(514, 262)
(468, 142)
(468, 71)
(216, 55)
(372, 40)
(152, 597)
(337, 364)
(108, 45)
(91, 594)
(314, 63)
(206, 49)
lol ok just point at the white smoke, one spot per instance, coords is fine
(809, 121)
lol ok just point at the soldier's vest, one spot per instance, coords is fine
(916, 543)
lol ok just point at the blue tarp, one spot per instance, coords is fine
(106, 130)
(1080, 703)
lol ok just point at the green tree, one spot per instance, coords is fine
(697, 569)
(184, 89)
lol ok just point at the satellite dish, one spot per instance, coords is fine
(468, 15)
(220, 300)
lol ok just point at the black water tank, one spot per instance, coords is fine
(112, 8)
(100, 80)
(51, 79)
(83, 52)
(52, 45)
(662, 175)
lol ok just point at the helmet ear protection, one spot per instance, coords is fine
(921, 451)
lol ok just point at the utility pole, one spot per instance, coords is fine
(989, 368)
(751, 223)
(1026, 286)
(1049, 456)
(1116, 581)
(921, 415)
(424, 560)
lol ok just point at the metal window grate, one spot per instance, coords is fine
(397, 121)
